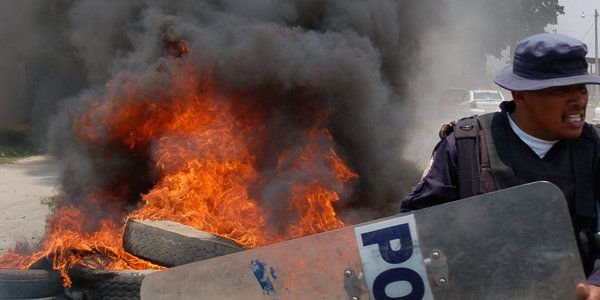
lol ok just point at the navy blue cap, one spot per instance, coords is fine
(546, 60)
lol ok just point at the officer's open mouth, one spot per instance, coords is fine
(575, 118)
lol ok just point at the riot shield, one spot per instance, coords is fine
(516, 243)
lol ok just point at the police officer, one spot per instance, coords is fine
(540, 135)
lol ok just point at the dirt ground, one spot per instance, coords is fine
(24, 188)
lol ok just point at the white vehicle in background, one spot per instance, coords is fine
(596, 118)
(476, 102)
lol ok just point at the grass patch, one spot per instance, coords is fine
(8, 160)
(15, 145)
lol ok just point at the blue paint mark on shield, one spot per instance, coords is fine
(258, 268)
(272, 270)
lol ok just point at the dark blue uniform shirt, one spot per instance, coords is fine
(440, 185)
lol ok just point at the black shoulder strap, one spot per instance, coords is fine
(596, 138)
(466, 133)
(583, 155)
(499, 153)
(596, 128)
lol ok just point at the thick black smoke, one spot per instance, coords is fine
(358, 58)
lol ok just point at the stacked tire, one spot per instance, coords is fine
(31, 284)
(171, 244)
(165, 243)
(108, 285)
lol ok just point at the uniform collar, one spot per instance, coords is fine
(508, 106)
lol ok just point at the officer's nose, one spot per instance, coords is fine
(578, 95)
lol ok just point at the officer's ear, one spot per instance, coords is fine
(518, 97)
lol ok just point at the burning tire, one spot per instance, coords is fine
(172, 244)
(103, 284)
(22, 284)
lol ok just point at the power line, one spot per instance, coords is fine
(588, 31)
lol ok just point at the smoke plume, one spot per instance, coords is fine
(355, 60)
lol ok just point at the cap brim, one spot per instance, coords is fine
(508, 80)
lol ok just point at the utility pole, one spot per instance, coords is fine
(596, 89)
(596, 41)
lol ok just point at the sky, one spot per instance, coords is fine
(572, 24)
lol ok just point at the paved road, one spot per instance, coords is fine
(24, 187)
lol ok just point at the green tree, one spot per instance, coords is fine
(522, 18)
(492, 25)
(474, 29)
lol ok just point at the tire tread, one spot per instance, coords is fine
(23, 284)
(161, 245)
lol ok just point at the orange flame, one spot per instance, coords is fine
(204, 149)
(69, 244)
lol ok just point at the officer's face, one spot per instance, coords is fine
(555, 113)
